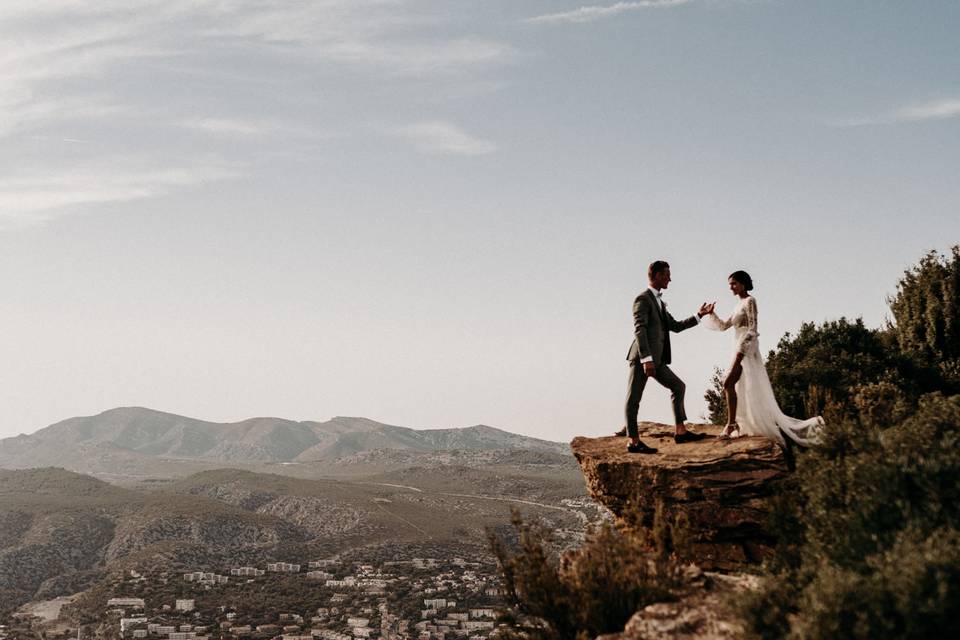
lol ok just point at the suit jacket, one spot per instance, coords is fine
(651, 327)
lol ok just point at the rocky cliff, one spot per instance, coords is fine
(722, 487)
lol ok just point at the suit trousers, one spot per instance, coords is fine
(636, 384)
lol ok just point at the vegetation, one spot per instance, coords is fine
(837, 368)
(590, 591)
(869, 525)
(871, 545)
(716, 402)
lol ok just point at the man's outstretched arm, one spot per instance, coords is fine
(678, 326)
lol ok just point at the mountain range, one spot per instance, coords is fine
(136, 442)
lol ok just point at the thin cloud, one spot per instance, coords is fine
(592, 13)
(132, 76)
(444, 138)
(231, 126)
(37, 196)
(276, 129)
(934, 110)
(931, 111)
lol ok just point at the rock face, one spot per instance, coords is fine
(702, 611)
(722, 487)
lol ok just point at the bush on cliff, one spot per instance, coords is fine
(870, 527)
(587, 592)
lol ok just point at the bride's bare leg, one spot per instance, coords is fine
(730, 389)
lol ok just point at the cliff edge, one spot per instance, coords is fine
(722, 487)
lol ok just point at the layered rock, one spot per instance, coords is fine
(721, 487)
(701, 611)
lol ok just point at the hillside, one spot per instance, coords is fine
(128, 443)
(60, 528)
(61, 532)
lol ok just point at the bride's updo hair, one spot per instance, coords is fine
(743, 278)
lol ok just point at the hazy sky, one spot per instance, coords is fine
(438, 213)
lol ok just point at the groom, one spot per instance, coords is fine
(650, 354)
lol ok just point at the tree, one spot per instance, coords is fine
(818, 369)
(716, 401)
(926, 311)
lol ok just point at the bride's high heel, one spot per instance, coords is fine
(729, 430)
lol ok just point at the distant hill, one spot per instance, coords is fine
(61, 532)
(139, 441)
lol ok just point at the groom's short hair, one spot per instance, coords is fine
(657, 266)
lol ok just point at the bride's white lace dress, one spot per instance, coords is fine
(758, 413)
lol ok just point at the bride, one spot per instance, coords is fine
(746, 386)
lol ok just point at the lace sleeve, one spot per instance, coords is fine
(713, 322)
(750, 335)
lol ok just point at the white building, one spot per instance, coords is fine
(250, 572)
(186, 604)
(205, 577)
(372, 583)
(283, 567)
(128, 623)
(322, 564)
(349, 581)
(482, 613)
(136, 603)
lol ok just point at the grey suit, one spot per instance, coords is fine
(652, 326)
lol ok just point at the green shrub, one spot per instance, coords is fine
(911, 591)
(870, 545)
(583, 593)
(881, 404)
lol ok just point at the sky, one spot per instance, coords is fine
(438, 213)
